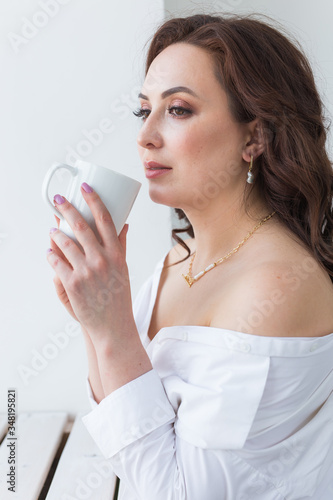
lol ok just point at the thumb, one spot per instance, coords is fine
(122, 237)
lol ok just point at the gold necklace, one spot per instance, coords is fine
(188, 277)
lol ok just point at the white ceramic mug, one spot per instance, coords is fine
(117, 191)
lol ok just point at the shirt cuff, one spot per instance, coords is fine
(129, 413)
(92, 400)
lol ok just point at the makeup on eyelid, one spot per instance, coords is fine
(176, 109)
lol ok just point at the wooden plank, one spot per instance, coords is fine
(38, 437)
(82, 471)
(3, 425)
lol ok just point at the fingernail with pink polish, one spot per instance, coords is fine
(58, 199)
(86, 187)
(49, 250)
(53, 229)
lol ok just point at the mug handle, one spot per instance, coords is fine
(47, 180)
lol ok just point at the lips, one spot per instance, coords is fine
(153, 165)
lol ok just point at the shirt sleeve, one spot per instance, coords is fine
(135, 410)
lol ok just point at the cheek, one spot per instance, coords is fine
(212, 155)
(207, 137)
(201, 145)
(191, 142)
(217, 145)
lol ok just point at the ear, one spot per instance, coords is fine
(255, 144)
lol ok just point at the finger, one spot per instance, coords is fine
(62, 269)
(78, 224)
(53, 245)
(60, 289)
(58, 220)
(103, 219)
(57, 250)
(67, 247)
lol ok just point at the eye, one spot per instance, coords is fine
(141, 113)
(175, 111)
(183, 111)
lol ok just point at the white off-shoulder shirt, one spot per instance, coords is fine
(223, 415)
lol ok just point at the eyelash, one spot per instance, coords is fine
(140, 112)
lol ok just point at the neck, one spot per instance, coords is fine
(221, 226)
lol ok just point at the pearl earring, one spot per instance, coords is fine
(250, 177)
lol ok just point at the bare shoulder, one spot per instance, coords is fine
(287, 294)
(276, 288)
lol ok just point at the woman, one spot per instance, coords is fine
(218, 383)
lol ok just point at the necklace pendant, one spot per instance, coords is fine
(188, 279)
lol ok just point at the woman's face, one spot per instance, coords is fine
(191, 131)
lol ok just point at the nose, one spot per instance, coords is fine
(149, 135)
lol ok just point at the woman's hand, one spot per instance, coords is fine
(94, 375)
(93, 284)
(60, 290)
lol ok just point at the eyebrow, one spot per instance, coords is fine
(171, 91)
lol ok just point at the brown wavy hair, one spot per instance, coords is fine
(267, 76)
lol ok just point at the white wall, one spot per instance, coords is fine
(82, 64)
(310, 22)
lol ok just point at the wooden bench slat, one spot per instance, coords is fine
(38, 437)
(82, 471)
(3, 425)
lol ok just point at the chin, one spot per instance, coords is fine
(163, 198)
